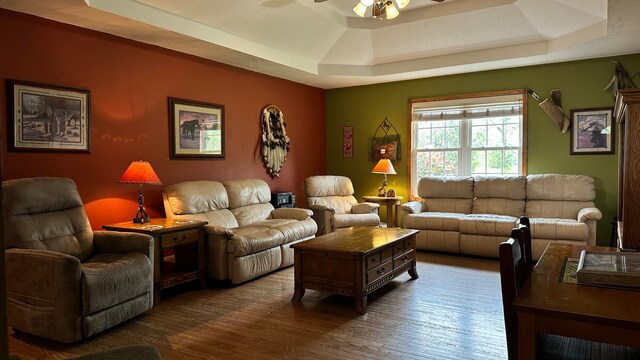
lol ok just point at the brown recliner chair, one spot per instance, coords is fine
(64, 281)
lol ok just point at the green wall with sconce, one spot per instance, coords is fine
(582, 83)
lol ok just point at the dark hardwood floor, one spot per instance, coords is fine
(453, 311)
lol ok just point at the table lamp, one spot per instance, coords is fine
(384, 166)
(140, 172)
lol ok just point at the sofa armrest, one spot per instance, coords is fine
(365, 208)
(216, 230)
(291, 213)
(44, 293)
(412, 207)
(589, 214)
(123, 242)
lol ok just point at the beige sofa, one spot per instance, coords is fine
(246, 236)
(474, 215)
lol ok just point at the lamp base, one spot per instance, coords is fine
(143, 220)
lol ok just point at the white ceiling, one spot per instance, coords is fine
(328, 46)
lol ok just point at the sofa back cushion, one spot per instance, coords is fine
(499, 195)
(46, 213)
(558, 195)
(249, 200)
(446, 194)
(332, 191)
(199, 200)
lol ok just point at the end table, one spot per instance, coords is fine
(390, 203)
(170, 234)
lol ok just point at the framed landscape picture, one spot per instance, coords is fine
(196, 129)
(592, 131)
(48, 118)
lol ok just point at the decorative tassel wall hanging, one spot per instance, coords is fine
(275, 142)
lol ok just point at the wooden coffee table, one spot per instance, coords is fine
(354, 261)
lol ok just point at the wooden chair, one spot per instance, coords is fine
(515, 268)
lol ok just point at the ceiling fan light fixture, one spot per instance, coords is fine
(360, 9)
(402, 3)
(366, 2)
(392, 12)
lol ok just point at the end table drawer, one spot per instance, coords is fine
(179, 238)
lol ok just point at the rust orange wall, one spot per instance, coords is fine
(130, 83)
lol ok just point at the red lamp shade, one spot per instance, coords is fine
(140, 172)
(384, 166)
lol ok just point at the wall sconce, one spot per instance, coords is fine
(140, 172)
(384, 166)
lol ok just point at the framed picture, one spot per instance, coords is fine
(592, 131)
(196, 129)
(347, 141)
(48, 118)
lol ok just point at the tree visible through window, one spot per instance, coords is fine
(474, 135)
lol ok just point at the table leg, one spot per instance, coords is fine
(526, 336)
(390, 223)
(157, 267)
(361, 304)
(201, 260)
(298, 290)
(413, 272)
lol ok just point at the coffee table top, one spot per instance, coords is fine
(358, 239)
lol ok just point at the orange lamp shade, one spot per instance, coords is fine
(140, 172)
(384, 166)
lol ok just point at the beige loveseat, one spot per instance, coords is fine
(474, 215)
(246, 236)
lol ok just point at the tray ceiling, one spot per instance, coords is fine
(327, 45)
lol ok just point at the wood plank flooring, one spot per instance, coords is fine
(453, 311)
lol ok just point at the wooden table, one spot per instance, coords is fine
(391, 203)
(547, 305)
(354, 261)
(171, 234)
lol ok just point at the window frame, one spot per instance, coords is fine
(475, 97)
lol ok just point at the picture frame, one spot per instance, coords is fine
(196, 129)
(592, 131)
(347, 141)
(48, 118)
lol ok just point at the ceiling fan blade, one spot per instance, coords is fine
(438, 0)
(319, 1)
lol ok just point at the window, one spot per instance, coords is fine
(481, 134)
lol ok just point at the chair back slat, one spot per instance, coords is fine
(513, 274)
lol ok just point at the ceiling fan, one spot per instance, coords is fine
(380, 7)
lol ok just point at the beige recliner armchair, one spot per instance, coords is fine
(334, 206)
(64, 281)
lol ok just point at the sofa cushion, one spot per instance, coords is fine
(111, 279)
(341, 204)
(347, 220)
(452, 187)
(558, 187)
(196, 197)
(462, 206)
(293, 230)
(252, 239)
(434, 221)
(245, 192)
(249, 214)
(326, 185)
(500, 195)
(567, 229)
(487, 224)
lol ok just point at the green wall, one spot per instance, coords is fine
(582, 83)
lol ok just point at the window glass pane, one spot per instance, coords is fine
(495, 136)
(512, 135)
(437, 163)
(451, 163)
(477, 122)
(453, 136)
(494, 162)
(511, 162)
(478, 136)
(494, 121)
(423, 138)
(438, 138)
(478, 165)
(422, 164)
